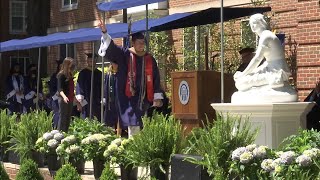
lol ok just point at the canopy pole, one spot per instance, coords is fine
(147, 28)
(125, 20)
(222, 53)
(92, 79)
(38, 79)
(102, 77)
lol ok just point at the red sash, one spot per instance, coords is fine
(148, 76)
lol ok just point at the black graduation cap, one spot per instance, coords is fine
(137, 35)
(246, 49)
(90, 55)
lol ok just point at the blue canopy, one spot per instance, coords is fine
(115, 30)
(124, 4)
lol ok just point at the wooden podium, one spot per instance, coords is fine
(194, 91)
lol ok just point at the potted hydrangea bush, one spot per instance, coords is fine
(116, 154)
(47, 144)
(69, 151)
(93, 147)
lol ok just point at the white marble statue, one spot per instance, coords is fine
(267, 83)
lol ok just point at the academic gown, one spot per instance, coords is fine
(15, 105)
(130, 112)
(83, 89)
(53, 101)
(29, 102)
(111, 113)
(313, 117)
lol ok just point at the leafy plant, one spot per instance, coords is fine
(108, 173)
(158, 140)
(94, 145)
(69, 149)
(26, 132)
(3, 173)
(67, 172)
(81, 128)
(6, 123)
(217, 140)
(305, 139)
(29, 170)
(117, 151)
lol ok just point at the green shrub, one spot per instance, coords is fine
(6, 123)
(108, 173)
(29, 171)
(3, 173)
(217, 140)
(67, 172)
(25, 133)
(160, 138)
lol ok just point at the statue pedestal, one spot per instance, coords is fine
(276, 120)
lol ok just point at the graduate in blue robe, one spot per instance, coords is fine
(31, 98)
(138, 79)
(15, 90)
(83, 89)
(313, 117)
(54, 96)
(111, 113)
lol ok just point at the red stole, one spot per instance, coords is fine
(148, 76)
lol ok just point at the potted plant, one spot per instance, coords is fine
(3, 173)
(217, 140)
(6, 123)
(108, 173)
(70, 152)
(47, 145)
(93, 147)
(29, 170)
(116, 153)
(160, 138)
(67, 172)
(26, 132)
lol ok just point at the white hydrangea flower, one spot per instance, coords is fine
(74, 148)
(267, 165)
(69, 139)
(125, 142)
(86, 140)
(59, 149)
(52, 143)
(47, 136)
(276, 162)
(100, 137)
(251, 147)
(287, 157)
(246, 157)
(53, 132)
(58, 136)
(260, 152)
(40, 140)
(112, 148)
(106, 153)
(237, 153)
(117, 141)
(279, 153)
(312, 153)
(304, 160)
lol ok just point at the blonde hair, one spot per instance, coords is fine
(66, 67)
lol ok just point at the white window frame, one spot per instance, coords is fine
(24, 59)
(68, 7)
(25, 3)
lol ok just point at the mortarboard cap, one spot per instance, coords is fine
(246, 49)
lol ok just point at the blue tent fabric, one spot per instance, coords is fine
(115, 30)
(124, 4)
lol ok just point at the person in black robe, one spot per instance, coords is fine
(313, 117)
(83, 88)
(15, 90)
(54, 96)
(111, 113)
(31, 98)
(138, 79)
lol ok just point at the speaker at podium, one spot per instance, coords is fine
(194, 91)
